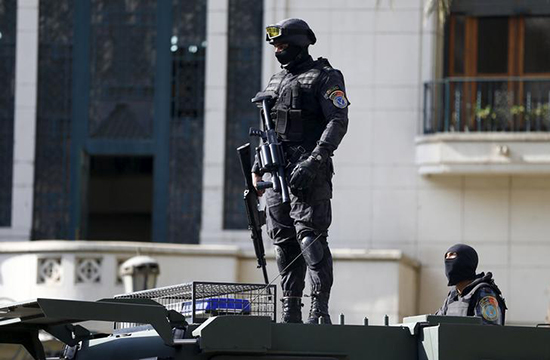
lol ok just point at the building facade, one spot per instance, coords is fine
(120, 119)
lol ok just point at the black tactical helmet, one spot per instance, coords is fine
(291, 31)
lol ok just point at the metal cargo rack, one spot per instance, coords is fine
(200, 300)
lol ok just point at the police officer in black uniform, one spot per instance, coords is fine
(471, 295)
(311, 118)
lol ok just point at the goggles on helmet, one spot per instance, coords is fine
(275, 31)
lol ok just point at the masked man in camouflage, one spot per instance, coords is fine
(311, 118)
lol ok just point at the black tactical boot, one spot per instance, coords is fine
(319, 309)
(292, 309)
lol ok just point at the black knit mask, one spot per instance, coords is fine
(463, 266)
(289, 54)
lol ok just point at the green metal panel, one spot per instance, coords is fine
(460, 342)
(218, 334)
(351, 342)
(251, 337)
(271, 357)
(143, 345)
(246, 334)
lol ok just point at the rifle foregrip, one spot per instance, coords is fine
(262, 185)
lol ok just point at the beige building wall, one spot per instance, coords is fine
(386, 50)
(88, 270)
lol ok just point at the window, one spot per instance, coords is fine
(7, 87)
(537, 45)
(243, 82)
(122, 69)
(498, 46)
(492, 45)
(120, 194)
(53, 121)
(499, 69)
(188, 48)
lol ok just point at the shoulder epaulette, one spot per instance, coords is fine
(325, 66)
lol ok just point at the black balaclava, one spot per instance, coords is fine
(463, 267)
(291, 53)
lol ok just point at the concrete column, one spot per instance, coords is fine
(26, 69)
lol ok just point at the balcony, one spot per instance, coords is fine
(485, 126)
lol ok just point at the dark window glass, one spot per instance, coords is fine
(536, 101)
(7, 87)
(188, 47)
(120, 192)
(537, 45)
(122, 68)
(243, 81)
(446, 49)
(53, 120)
(458, 54)
(492, 45)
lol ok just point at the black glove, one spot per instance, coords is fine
(304, 173)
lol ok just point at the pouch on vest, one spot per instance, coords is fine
(289, 122)
(289, 125)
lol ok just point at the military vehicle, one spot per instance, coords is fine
(228, 321)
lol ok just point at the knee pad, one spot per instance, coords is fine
(285, 255)
(313, 249)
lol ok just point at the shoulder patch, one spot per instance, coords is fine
(327, 93)
(489, 308)
(338, 98)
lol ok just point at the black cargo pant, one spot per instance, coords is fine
(308, 214)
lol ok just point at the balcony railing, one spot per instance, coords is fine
(510, 104)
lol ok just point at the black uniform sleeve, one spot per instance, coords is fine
(332, 97)
(487, 307)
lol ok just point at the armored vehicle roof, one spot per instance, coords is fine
(233, 330)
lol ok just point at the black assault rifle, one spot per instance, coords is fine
(270, 159)
(256, 218)
(269, 154)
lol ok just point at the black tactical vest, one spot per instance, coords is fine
(297, 113)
